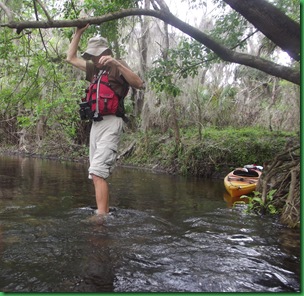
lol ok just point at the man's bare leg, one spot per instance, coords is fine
(102, 194)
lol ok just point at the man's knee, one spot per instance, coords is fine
(100, 172)
(97, 178)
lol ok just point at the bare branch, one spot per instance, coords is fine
(37, 18)
(50, 19)
(163, 6)
(154, 5)
(7, 12)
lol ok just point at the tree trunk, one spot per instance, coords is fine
(171, 99)
(143, 50)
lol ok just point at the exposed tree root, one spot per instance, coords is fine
(283, 175)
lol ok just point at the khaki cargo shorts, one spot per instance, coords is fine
(104, 140)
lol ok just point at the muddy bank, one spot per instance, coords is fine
(217, 153)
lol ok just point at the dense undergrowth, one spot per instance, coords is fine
(212, 155)
(218, 151)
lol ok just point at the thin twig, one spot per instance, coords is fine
(50, 19)
(40, 33)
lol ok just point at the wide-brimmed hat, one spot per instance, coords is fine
(96, 46)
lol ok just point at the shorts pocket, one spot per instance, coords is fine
(111, 154)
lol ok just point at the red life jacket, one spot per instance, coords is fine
(109, 103)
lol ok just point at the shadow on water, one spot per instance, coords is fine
(164, 234)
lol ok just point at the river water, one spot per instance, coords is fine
(164, 234)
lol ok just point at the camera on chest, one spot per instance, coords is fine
(86, 112)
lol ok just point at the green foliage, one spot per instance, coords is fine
(162, 78)
(111, 30)
(38, 87)
(218, 150)
(181, 62)
(35, 88)
(187, 58)
(230, 29)
(258, 206)
(70, 10)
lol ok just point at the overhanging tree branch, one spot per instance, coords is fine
(272, 22)
(223, 52)
(229, 55)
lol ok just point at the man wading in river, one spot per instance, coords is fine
(106, 130)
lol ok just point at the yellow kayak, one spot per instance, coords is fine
(230, 200)
(241, 181)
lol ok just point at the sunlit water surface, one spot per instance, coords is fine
(164, 234)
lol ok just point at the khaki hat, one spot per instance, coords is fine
(96, 46)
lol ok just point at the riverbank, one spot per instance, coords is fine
(211, 155)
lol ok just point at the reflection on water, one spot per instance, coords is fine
(233, 201)
(164, 234)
